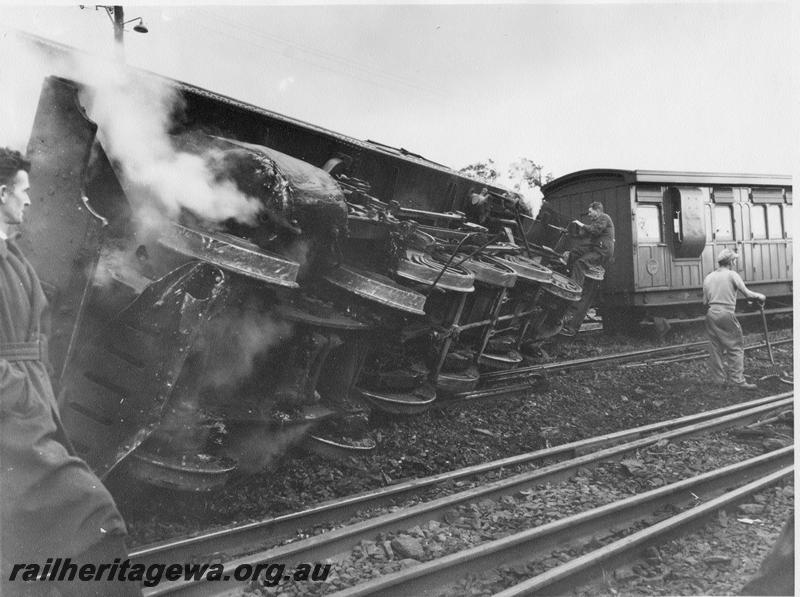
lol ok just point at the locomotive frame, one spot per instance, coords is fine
(404, 300)
(397, 304)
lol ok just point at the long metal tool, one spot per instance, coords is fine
(775, 371)
(766, 333)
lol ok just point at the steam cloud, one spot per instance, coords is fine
(256, 447)
(239, 339)
(133, 113)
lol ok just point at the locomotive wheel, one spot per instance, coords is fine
(457, 360)
(400, 404)
(527, 269)
(500, 362)
(488, 271)
(339, 448)
(501, 344)
(184, 472)
(398, 380)
(564, 287)
(422, 268)
(449, 384)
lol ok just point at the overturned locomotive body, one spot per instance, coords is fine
(670, 226)
(186, 348)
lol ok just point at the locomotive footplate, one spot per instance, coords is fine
(231, 253)
(377, 288)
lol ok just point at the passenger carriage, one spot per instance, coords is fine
(669, 228)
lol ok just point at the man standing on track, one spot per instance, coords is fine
(51, 504)
(726, 363)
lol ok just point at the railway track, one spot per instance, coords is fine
(524, 378)
(258, 541)
(430, 577)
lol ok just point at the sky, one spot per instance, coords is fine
(680, 86)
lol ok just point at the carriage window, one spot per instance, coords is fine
(648, 223)
(758, 221)
(723, 222)
(774, 224)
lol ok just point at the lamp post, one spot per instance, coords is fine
(117, 16)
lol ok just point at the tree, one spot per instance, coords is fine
(481, 171)
(525, 173)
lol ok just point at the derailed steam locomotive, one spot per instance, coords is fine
(186, 348)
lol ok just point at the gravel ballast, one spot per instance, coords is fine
(573, 406)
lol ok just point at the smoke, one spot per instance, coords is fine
(255, 447)
(299, 251)
(238, 339)
(119, 261)
(134, 113)
(21, 73)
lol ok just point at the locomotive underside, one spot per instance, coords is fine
(203, 347)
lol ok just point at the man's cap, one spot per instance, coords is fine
(727, 255)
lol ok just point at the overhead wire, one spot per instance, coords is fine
(347, 68)
(347, 62)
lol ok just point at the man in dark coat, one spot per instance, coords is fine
(595, 248)
(51, 504)
(599, 246)
(477, 208)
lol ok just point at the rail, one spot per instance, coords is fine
(342, 539)
(488, 378)
(577, 571)
(538, 542)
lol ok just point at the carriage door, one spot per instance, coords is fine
(767, 245)
(650, 249)
(686, 234)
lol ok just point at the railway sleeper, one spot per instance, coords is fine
(341, 540)
(434, 576)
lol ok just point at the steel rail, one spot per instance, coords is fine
(582, 569)
(622, 356)
(539, 542)
(740, 315)
(342, 540)
(701, 354)
(256, 535)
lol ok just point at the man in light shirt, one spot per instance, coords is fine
(720, 288)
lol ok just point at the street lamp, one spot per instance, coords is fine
(116, 15)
